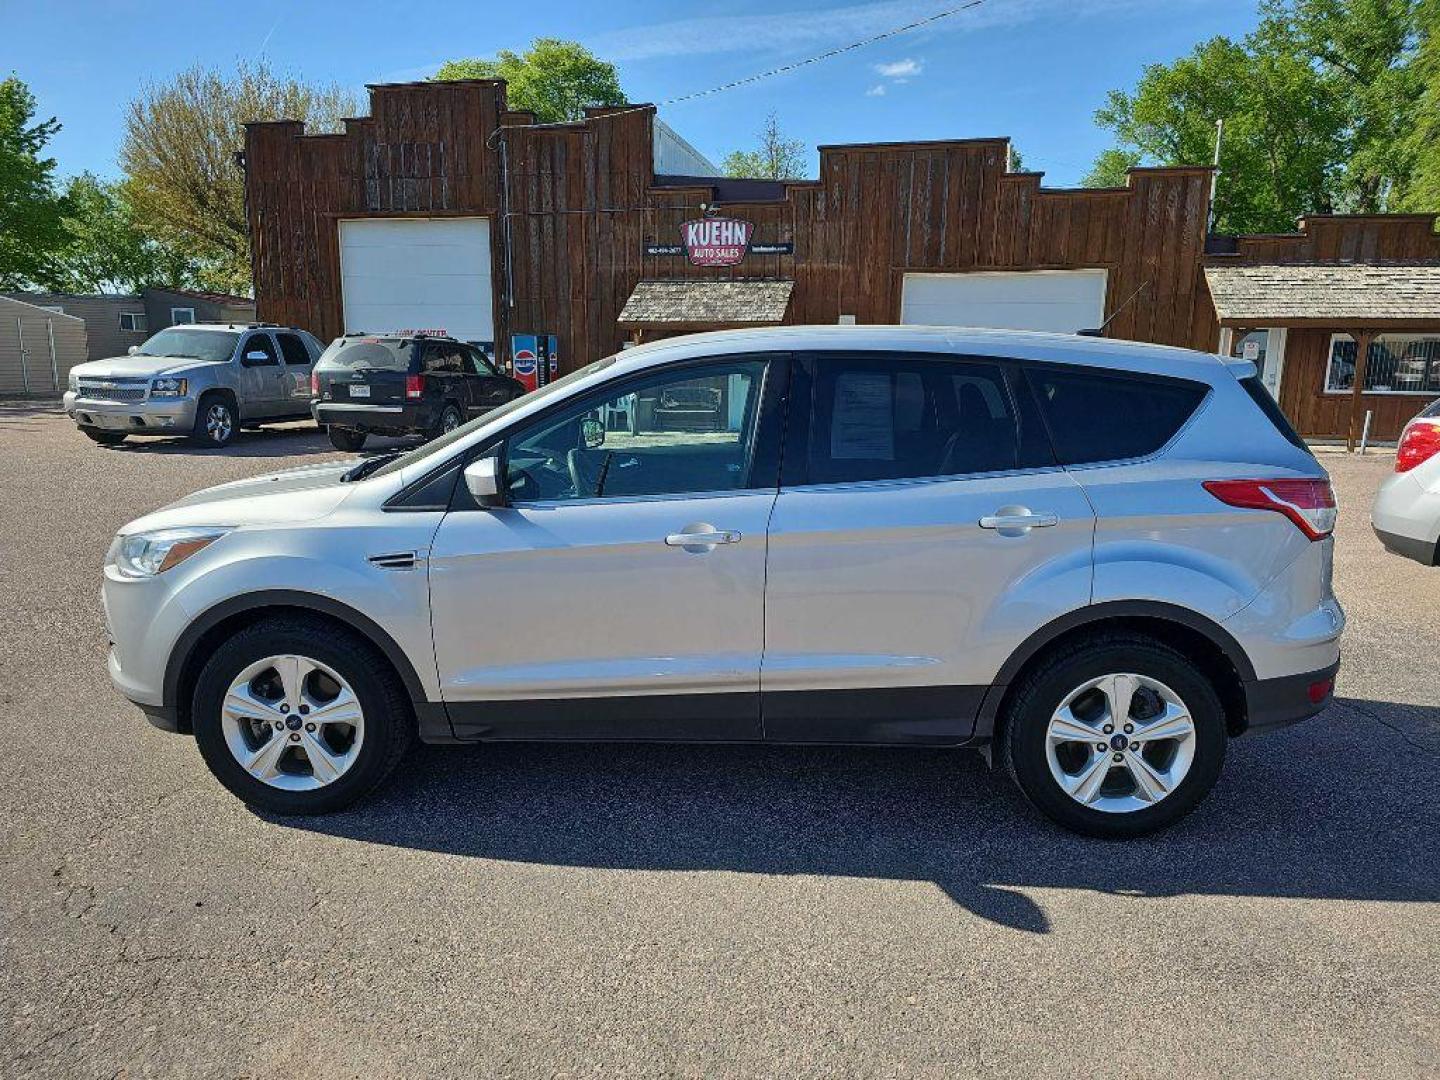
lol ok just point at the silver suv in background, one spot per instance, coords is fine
(1406, 511)
(203, 380)
(1097, 560)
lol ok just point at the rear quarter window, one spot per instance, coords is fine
(1096, 416)
(1261, 396)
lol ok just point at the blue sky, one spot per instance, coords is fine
(1031, 69)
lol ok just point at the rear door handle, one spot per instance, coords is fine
(1013, 520)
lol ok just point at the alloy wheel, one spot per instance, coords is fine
(218, 423)
(292, 722)
(1120, 743)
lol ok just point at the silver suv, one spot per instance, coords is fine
(204, 380)
(1098, 561)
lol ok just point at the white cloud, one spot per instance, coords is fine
(878, 90)
(900, 69)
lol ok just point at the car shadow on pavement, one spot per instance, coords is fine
(1317, 811)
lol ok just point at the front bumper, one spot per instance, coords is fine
(1277, 703)
(158, 416)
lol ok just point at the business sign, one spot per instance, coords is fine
(718, 242)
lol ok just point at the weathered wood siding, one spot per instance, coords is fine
(582, 205)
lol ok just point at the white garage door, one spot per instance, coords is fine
(1062, 301)
(418, 274)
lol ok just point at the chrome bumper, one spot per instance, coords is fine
(159, 416)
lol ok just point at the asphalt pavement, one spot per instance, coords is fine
(686, 911)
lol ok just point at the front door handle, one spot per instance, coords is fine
(1017, 520)
(701, 537)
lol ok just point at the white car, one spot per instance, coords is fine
(1103, 559)
(1406, 511)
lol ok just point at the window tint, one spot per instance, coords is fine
(894, 417)
(1258, 394)
(366, 354)
(686, 430)
(293, 349)
(1101, 416)
(260, 343)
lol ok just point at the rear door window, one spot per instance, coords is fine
(895, 417)
(1097, 416)
(293, 349)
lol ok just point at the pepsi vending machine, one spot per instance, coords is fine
(535, 359)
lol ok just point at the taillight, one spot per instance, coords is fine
(314, 385)
(1310, 504)
(1419, 442)
(414, 386)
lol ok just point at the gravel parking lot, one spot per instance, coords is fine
(575, 911)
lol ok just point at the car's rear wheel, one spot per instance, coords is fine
(300, 717)
(216, 422)
(450, 418)
(347, 439)
(104, 438)
(1115, 737)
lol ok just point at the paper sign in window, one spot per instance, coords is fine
(863, 423)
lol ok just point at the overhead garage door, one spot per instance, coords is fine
(1062, 301)
(417, 274)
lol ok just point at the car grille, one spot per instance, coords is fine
(114, 389)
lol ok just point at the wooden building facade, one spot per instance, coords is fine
(563, 223)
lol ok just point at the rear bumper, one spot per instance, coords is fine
(410, 417)
(151, 417)
(1277, 703)
(1411, 547)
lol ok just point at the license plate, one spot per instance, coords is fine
(359, 391)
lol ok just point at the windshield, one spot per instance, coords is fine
(191, 344)
(366, 354)
(436, 446)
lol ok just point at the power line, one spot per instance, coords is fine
(825, 55)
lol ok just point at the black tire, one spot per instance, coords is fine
(450, 418)
(104, 438)
(389, 724)
(216, 421)
(347, 439)
(1025, 723)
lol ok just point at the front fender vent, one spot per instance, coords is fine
(397, 560)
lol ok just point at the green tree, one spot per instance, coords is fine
(1318, 102)
(1110, 169)
(182, 182)
(1423, 142)
(776, 158)
(555, 79)
(106, 251)
(31, 211)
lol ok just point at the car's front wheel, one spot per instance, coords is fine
(300, 717)
(215, 422)
(1116, 736)
(347, 439)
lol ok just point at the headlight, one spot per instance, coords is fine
(74, 383)
(168, 388)
(147, 554)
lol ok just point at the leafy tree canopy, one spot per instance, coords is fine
(182, 182)
(106, 251)
(31, 210)
(776, 158)
(555, 79)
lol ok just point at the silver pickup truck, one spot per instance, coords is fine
(203, 380)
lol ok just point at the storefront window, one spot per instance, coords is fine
(1397, 364)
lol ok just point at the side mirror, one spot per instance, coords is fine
(592, 433)
(132, 350)
(255, 356)
(482, 478)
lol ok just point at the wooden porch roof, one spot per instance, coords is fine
(1378, 295)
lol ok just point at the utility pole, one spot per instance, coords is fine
(1215, 174)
